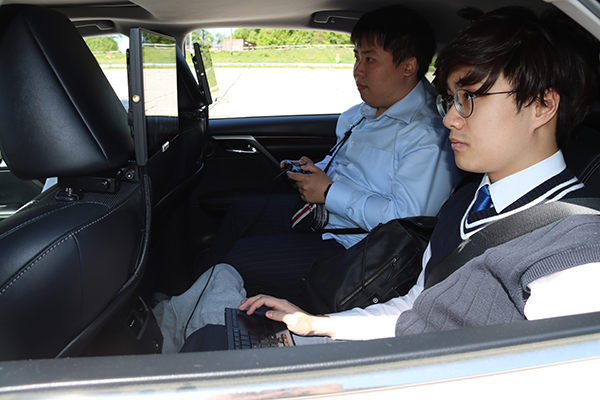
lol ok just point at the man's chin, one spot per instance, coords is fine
(367, 102)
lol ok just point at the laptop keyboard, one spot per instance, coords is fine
(243, 339)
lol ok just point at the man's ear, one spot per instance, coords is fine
(545, 111)
(410, 66)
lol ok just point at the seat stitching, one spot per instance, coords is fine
(34, 262)
(591, 170)
(81, 284)
(21, 225)
(64, 240)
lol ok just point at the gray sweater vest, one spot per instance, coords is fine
(492, 288)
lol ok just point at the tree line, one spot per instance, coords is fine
(260, 37)
(102, 43)
(281, 37)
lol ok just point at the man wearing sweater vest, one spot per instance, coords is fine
(512, 89)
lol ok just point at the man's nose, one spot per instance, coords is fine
(453, 119)
(358, 68)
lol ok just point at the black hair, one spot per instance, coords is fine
(533, 54)
(399, 30)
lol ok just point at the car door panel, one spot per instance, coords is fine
(243, 158)
(244, 154)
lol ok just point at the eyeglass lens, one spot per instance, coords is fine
(462, 99)
(464, 102)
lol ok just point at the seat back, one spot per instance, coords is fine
(173, 170)
(582, 155)
(76, 252)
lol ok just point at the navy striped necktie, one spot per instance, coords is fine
(484, 201)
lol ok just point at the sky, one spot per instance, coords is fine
(222, 31)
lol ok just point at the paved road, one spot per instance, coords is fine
(272, 91)
(283, 91)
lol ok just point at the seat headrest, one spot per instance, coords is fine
(60, 115)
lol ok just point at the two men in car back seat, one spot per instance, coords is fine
(511, 88)
(396, 163)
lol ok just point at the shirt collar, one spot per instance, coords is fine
(508, 190)
(405, 108)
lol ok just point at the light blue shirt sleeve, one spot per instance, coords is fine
(395, 166)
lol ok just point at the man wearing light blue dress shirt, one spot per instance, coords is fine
(396, 163)
(509, 111)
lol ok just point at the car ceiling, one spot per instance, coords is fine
(179, 17)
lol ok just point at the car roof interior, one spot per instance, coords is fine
(178, 18)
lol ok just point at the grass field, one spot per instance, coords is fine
(153, 55)
(113, 57)
(300, 55)
(292, 55)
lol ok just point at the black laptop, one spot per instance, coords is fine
(254, 331)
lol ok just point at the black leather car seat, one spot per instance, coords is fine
(71, 256)
(583, 153)
(173, 171)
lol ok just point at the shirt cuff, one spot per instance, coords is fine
(568, 292)
(338, 197)
(361, 327)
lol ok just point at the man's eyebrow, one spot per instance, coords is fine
(458, 85)
(367, 51)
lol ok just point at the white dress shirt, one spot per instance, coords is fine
(572, 291)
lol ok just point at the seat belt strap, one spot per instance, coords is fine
(510, 228)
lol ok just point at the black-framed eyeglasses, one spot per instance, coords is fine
(462, 100)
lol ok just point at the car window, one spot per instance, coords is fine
(268, 72)
(294, 73)
(111, 54)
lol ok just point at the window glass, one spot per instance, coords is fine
(266, 72)
(261, 72)
(111, 54)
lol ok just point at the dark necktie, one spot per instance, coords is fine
(484, 201)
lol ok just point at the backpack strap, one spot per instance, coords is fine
(333, 152)
(339, 145)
